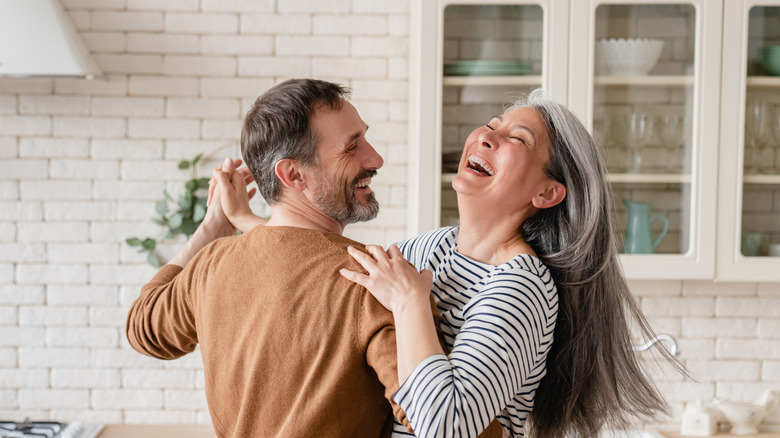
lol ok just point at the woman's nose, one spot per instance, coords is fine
(487, 140)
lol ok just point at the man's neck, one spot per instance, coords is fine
(294, 213)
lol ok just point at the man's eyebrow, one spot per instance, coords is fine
(356, 135)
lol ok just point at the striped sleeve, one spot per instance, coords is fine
(419, 249)
(502, 345)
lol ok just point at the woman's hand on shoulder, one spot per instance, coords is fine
(391, 279)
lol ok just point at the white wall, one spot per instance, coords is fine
(83, 162)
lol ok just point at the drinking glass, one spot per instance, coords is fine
(671, 132)
(774, 123)
(755, 134)
(633, 131)
(601, 134)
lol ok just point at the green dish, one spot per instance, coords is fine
(487, 68)
(770, 60)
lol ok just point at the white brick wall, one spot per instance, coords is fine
(82, 163)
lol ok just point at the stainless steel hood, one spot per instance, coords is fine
(37, 39)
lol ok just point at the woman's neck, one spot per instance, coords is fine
(491, 237)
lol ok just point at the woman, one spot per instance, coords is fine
(534, 308)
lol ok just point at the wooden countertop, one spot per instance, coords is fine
(188, 431)
(677, 434)
(156, 431)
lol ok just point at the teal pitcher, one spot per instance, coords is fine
(639, 238)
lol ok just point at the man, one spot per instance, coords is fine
(290, 348)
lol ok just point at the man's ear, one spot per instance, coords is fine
(289, 173)
(553, 194)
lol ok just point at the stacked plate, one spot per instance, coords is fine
(770, 60)
(487, 68)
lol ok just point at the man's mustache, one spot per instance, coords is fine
(363, 175)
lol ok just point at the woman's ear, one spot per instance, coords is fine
(289, 173)
(553, 194)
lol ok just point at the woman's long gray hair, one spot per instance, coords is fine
(593, 376)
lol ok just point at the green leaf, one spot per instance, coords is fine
(191, 185)
(167, 195)
(196, 159)
(188, 227)
(161, 207)
(201, 200)
(175, 221)
(153, 260)
(161, 221)
(185, 201)
(149, 244)
(203, 183)
(184, 164)
(199, 212)
(133, 241)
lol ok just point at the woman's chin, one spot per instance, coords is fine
(460, 184)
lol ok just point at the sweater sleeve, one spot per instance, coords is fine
(502, 345)
(378, 331)
(161, 321)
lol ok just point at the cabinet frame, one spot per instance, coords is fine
(718, 84)
(732, 265)
(425, 90)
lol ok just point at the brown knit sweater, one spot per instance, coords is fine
(290, 348)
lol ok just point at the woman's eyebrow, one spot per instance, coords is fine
(518, 126)
(526, 128)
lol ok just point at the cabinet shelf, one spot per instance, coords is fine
(646, 80)
(763, 81)
(492, 81)
(762, 179)
(638, 178)
(652, 178)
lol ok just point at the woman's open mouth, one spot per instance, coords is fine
(480, 166)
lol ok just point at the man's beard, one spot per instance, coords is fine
(339, 201)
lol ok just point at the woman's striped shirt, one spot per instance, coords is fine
(498, 325)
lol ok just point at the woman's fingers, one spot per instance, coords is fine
(356, 277)
(366, 261)
(378, 252)
(394, 252)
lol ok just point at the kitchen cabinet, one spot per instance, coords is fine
(749, 189)
(672, 135)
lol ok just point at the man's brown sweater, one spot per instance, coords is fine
(290, 348)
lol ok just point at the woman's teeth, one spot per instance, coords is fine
(480, 165)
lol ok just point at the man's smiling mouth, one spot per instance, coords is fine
(480, 166)
(363, 183)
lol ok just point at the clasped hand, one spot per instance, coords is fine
(394, 282)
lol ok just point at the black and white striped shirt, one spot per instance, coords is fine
(498, 324)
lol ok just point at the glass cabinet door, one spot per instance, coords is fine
(492, 55)
(647, 104)
(751, 231)
(485, 55)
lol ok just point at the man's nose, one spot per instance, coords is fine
(372, 159)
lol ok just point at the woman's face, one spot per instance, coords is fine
(503, 160)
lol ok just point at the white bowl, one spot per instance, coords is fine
(627, 56)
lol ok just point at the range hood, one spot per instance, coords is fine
(37, 39)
